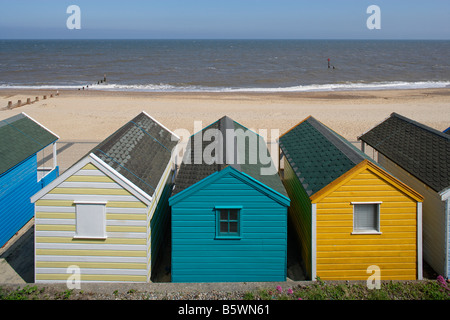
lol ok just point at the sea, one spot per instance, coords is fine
(224, 65)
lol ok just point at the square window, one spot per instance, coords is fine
(228, 220)
(90, 220)
(366, 217)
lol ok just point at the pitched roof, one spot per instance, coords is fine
(318, 155)
(230, 144)
(21, 137)
(140, 151)
(422, 151)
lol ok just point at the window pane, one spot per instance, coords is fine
(366, 217)
(224, 215)
(224, 227)
(233, 214)
(234, 227)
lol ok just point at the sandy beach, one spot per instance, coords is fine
(87, 117)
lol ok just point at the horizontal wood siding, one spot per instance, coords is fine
(433, 217)
(17, 186)
(299, 214)
(121, 257)
(260, 253)
(342, 255)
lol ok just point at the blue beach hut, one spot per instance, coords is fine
(229, 215)
(21, 139)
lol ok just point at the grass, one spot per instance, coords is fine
(389, 290)
(318, 290)
(26, 293)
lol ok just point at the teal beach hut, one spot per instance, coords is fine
(21, 176)
(229, 209)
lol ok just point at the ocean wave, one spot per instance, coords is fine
(353, 86)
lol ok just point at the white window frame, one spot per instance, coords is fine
(102, 233)
(378, 203)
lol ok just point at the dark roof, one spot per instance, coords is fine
(447, 131)
(243, 156)
(422, 151)
(317, 154)
(20, 138)
(140, 151)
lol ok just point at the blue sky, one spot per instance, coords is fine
(225, 19)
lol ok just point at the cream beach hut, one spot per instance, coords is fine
(105, 216)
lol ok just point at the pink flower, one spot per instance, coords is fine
(279, 289)
(442, 282)
(300, 299)
(290, 291)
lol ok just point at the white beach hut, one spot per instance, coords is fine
(107, 214)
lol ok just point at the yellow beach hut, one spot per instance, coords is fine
(104, 218)
(350, 215)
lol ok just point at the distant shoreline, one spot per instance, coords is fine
(339, 94)
(92, 115)
(167, 88)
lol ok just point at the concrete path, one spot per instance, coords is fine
(17, 257)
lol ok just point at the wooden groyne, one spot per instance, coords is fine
(98, 82)
(20, 103)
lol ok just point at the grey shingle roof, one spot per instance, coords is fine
(140, 150)
(422, 151)
(20, 138)
(317, 154)
(243, 155)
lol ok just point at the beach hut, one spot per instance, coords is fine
(104, 218)
(419, 156)
(350, 215)
(22, 143)
(229, 209)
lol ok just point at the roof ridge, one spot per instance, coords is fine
(121, 149)
(226, 123)
(132, 121)
(223, 124)
(22, 137)
(421, 126)
(232, 152)
(342, 144)
(417, 148)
